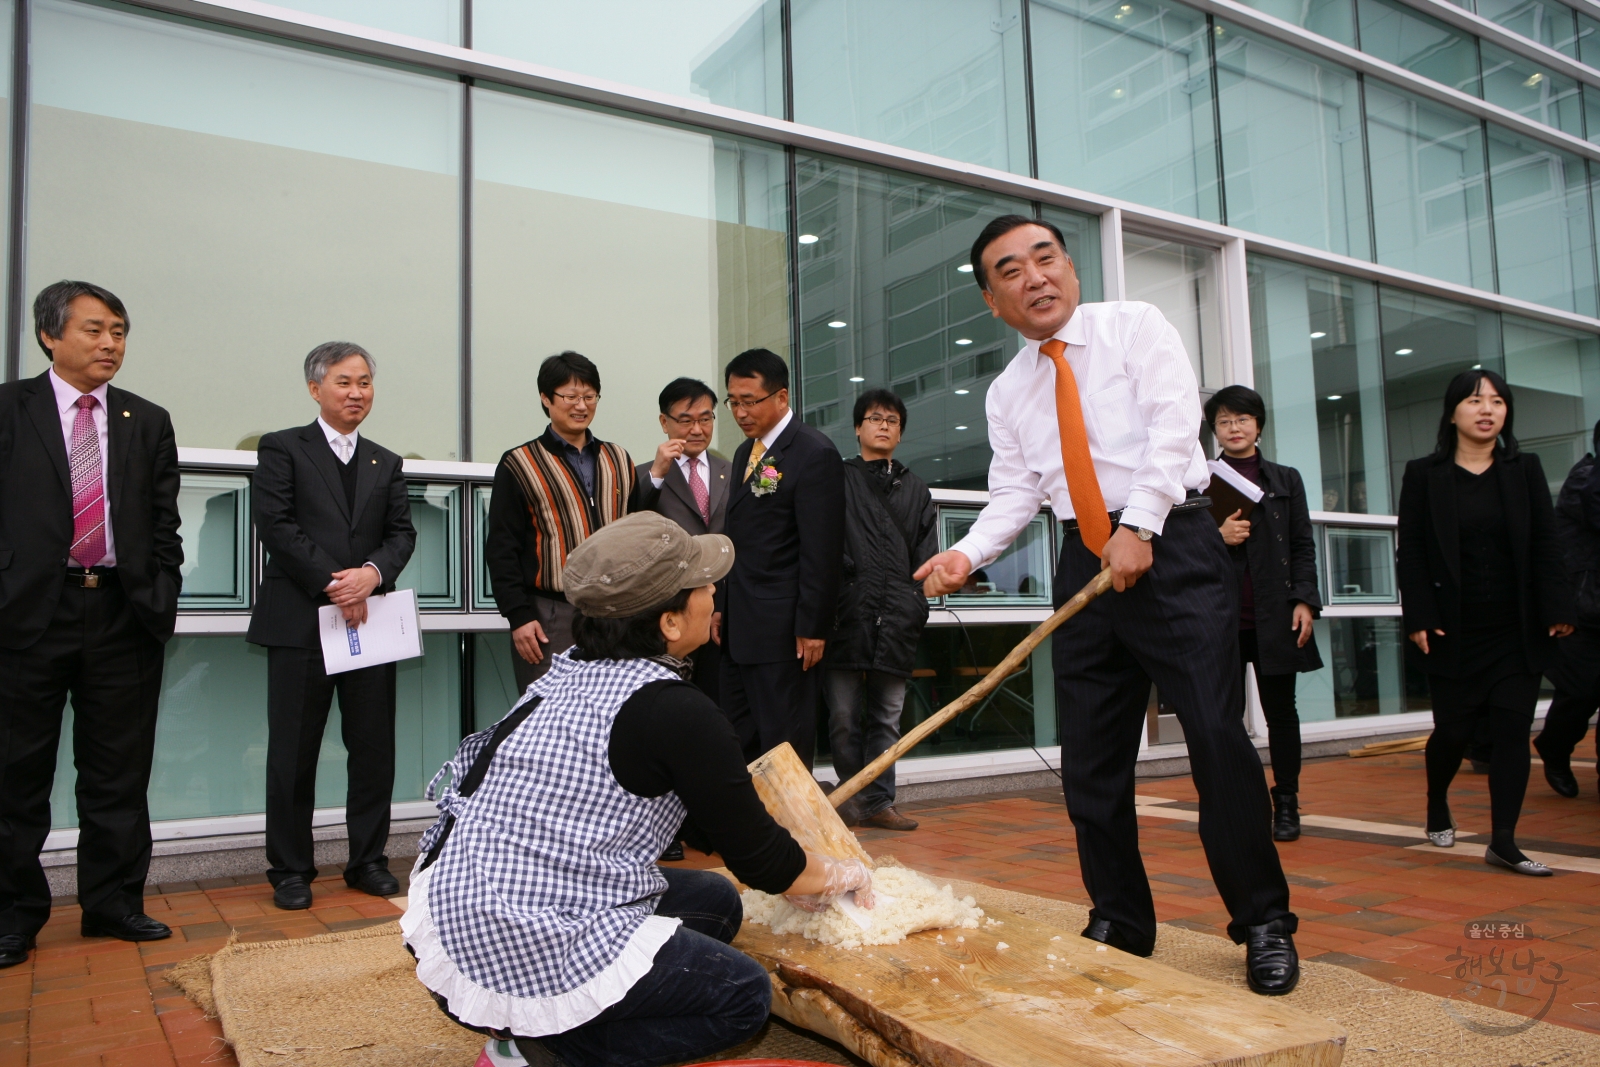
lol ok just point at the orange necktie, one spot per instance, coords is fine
(1083, 485)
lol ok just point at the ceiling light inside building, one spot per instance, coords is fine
(1118, 93)
(962, 392)
(963, 340)
(857, 379)
(965, 268)
(961, 427)
(808, 238)
(1533, 80)
(837, 325)
(1402, 351)
(1477, 366)
(1337, 396)
(1317, 336)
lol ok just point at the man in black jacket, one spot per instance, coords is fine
(89, 579)
(332, 512)
(780, 595)
(1576, 669)
(890, 527)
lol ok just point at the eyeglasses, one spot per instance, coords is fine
(576, 398)
(1243, 422)
(890, 421)
(735, 405)
(707, 420)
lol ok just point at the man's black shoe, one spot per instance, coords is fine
(135, 927)
(1102, 931)
(14, 949)
(672, 853)
(1561, 779)
(292, 894)
(1271, 966)
(372, 878)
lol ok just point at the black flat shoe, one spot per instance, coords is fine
(1285, 817)
(373, 878)
(1102, 931)
(1561, 779)
(672, 853)
(292, 894)
(135, 927)
(1531, 868)
(1271, 965)
(14, 949)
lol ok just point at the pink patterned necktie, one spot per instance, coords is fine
(88, 488)
(697, 485)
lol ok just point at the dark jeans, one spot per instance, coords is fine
(700, 997)
(863, 720)
(1283, 721)
(770, 703)
(96, 651)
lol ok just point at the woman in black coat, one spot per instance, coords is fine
(1484, 595)
(1275, 556)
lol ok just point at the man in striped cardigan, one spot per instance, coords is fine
(549, 494)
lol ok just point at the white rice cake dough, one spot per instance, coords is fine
(907, 903)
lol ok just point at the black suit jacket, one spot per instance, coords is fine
(309, 531)
(675, 499)
(141, 480)
(1429, 562)
(788, 548)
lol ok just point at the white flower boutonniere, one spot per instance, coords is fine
(766, 481)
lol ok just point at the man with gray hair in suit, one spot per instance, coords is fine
(332, 512)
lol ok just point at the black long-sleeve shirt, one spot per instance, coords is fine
(672, 738)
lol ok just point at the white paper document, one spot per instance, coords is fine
(1250, 489)
(391, 633)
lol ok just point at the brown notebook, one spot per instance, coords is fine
(1231, 491)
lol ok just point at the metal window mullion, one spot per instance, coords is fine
(464, 406)
(17, 238)
(1027, 88)
(1113, 279)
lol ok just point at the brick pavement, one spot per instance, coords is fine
(1365, 901)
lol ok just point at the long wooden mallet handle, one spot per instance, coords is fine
(985, 686)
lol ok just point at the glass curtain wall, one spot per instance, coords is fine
(1522, 85)
(729, 52)
(1293, 165)
(1398, 34)
(1544, 237)
(434, 20)
(1429, 197)
(947, 77)
(577, 209)
(1555, 375)
(1123, 102)
(266, 199)
(1180, 280)
(1334, 19)
(1547, 22)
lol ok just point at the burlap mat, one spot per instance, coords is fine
(352, 1000)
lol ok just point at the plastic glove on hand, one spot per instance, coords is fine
(841, 876)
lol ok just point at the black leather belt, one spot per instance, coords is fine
(1194, 502)
(91, 577)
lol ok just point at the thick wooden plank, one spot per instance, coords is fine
(970, 1003)
(793, 797)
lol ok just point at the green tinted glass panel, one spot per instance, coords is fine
(1315, 341)
(1122, 102)
(1429, 198)
(1556, 374)
(1021, 576)
(1335, 19)
(211, 734)
(1426, 342)
(433, 20)
(1360, 566)
(1181, 280)
(1589, 41)
(434, 570)
(884, 302)
(945, 77)
(1366, 671)
(950, 660)
(1544, 244)
(1082, 234)
(482, 590)
(214, 512)
(1407, 38)
(1292, 156)
(494, 681)
(1547, 22)
(1531, 90)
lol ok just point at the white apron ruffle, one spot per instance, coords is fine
(525, 1016)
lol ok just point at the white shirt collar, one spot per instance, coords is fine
(330, 433)
(1072, 332)
(67, 395)
(777, 431)
(701, 461)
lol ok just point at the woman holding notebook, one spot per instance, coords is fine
(1275, 557)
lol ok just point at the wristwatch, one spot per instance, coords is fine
(1139, 531)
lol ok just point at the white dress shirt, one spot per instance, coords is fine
(701, 461)
(67, 404)
(333, 440)
(776, 432)
(1141, 408)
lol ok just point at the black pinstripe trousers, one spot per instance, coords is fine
(1179, 628)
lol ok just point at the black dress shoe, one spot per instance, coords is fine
(14, 949)
(672, 853)
(1561, 779)
(292, 894)
(372, 878)
(1102, 931)
(1271, 965)
(135, 927)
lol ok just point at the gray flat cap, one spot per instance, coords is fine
(640, 561)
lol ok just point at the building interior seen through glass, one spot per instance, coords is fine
(1379, 231)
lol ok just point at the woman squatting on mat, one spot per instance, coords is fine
(537, 913)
